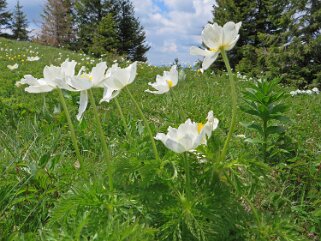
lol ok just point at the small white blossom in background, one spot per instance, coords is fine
(165, 82)
(189, 135)
(31, 59)
(13, 67)
(315, 90)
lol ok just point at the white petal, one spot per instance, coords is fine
(133, 71)
(230, 34)
(232, 44)
(79, 83)
(209, 60)
(109, 94)
(68, 67)
(175, 146)
(98, 73)
(198, 51)
(212, 36)
(39, 89)
(83, 102)
(174, 75)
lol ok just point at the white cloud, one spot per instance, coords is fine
(173, 25)
(169, 46)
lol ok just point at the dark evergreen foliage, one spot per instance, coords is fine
(278, 38)
(19, 24)
(130, 39)
(5, 16)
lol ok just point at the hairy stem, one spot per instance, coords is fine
(187, 177)
(102, 140)
(146, 124)
(234, 105)
(122, 117)
(71, 127)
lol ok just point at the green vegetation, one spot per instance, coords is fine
(280, 38)
(44, 195)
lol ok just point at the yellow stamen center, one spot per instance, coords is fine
(222, 47)
(200, 127)
(170, 83)
(88, 76)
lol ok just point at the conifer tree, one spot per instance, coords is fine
(88, 14)
(5, 16)
(57, 26)
(260, 20)
(130, 38)
(130, 33)
(105, 38)
(19, 23)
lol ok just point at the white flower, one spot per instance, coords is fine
(217, 38)
(165, 82)
(293, 93)
(188, 135)
(117, 79)
(316, 90)
(31, 59)
(83, 82)
(13, 67)
(53, 77)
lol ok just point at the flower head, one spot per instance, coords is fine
(165, 82)
(117, 79)
(31, 59)
(85, 81)
(216, 39)
(13, 67)
(188, 135)
(53, 77)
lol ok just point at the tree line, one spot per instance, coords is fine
(279, 38)
(93, 26)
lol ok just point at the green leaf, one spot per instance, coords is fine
(254, 141)
(252, 126)
(275, 130)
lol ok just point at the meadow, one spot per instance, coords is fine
(46, 195)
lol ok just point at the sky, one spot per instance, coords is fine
(171, 26)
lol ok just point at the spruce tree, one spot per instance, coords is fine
(259, 21)
(5, 16)
(57, 26)
(88, 14)
(130, 33)
(130, 38)
(105, 37)
(19, 23)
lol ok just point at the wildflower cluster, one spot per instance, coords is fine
(113, 80)
(315, 90)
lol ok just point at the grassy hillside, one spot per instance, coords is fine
(45, 196)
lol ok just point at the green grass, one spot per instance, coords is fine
(43, 196)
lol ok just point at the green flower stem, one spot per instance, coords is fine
(102, 140)
(122, 118)
(234, 105)
(146, 124)
(187, 177)
(71, 127)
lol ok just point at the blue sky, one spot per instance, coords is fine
(171, 26)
